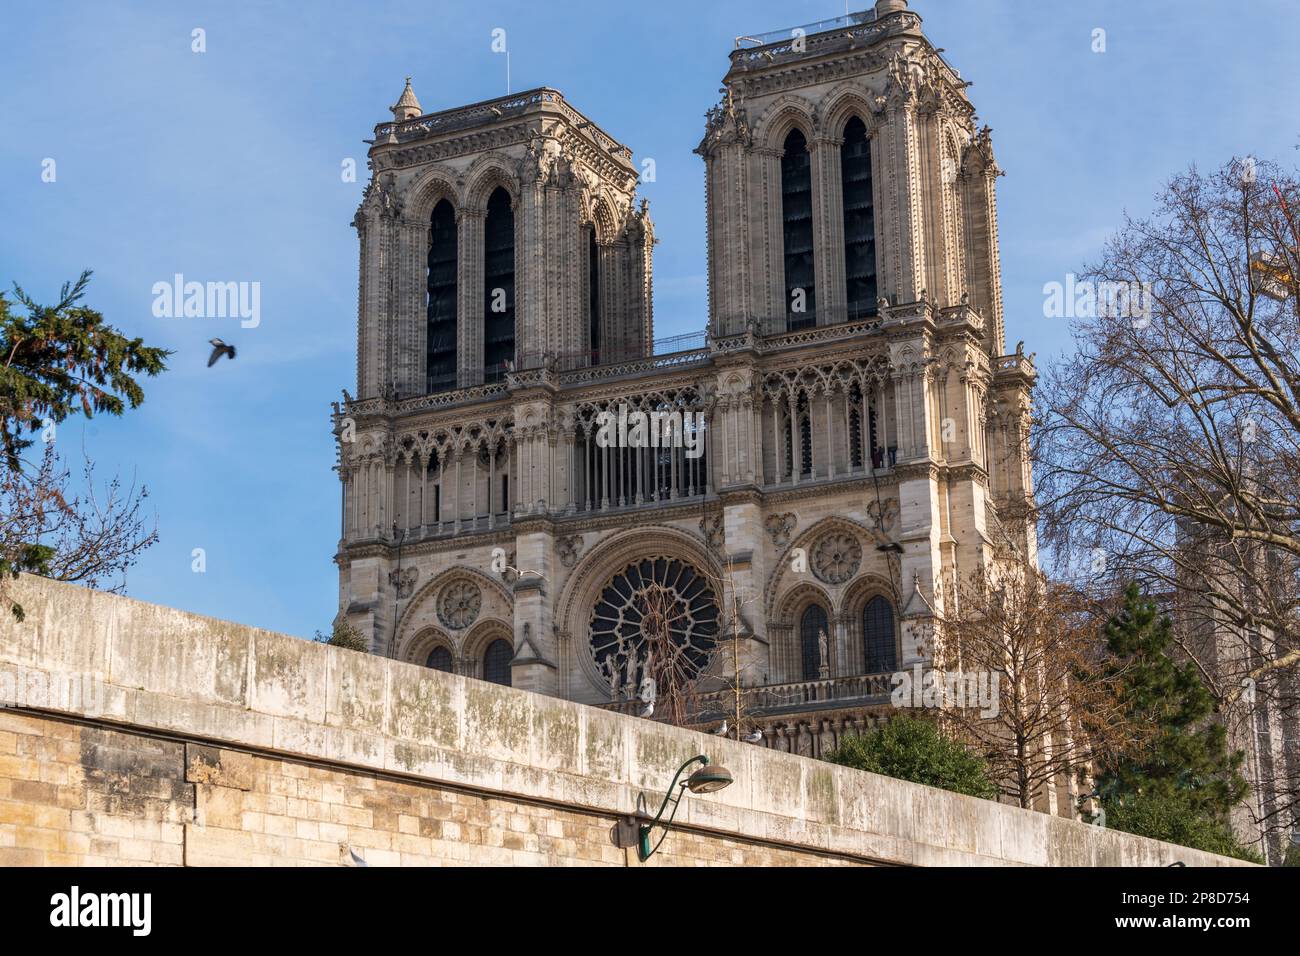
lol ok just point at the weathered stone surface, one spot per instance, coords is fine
(408, 766)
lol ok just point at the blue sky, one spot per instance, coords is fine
(225, 165)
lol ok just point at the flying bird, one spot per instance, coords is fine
(520, 573)
(753, 738)
(721, 731)
(219, 348)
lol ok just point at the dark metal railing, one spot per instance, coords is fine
(807, 29)
(790, 697)
(568, 361)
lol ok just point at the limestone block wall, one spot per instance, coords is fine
(149, 735)
(75, 794)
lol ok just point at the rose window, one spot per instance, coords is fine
(836, 557)
(659, 612)
(460, 604)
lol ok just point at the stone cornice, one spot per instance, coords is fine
(820, 345)
(1014, 370)
(534, 524)
(924, 470)
(822, 488)
(776, 68)
(388, 157)
(781, 54)
(748, 494)
(426, 546)
(382, 409)
(663, 512)
(542, 389)
(968, 471)
(524, 112)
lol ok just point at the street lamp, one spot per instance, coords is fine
(707, 779)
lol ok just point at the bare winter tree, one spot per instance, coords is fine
(1032, 693)
(733, 676)
(56, 361)
(90, 537)
(683, 691)
(1168, 447)
(667, 663)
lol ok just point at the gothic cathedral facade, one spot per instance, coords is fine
(854, 433)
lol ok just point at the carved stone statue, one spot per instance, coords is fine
(611, 671)
(629, 677)
(648, 690)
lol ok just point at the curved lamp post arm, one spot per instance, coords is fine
(673, 796)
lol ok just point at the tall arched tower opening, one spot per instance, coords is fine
(850, 437)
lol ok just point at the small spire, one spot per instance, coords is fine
(407, 106)
(885, 7)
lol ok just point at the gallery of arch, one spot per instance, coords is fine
(863, 424)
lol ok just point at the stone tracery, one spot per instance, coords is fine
(846, 441)
(626, 647)
(836, 557)
(459, 604)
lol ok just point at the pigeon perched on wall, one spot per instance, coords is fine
(753, 738)
(219, 348)
(721, 731)
(353, 858)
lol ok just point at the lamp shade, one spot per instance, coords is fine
(709, 779)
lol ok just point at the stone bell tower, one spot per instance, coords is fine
(500, 243)
(860, 433)
(496, 235)
(850, 187)
(814, 102)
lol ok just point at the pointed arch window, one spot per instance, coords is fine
(440, 336)
(804, 419)
(879, 637)
(805, 440)
(855, 427)
(811, 626)
(797, 232)
(859, 221)
(498, 285)
(593, 293)
(496, 662)
(787, 446)
(440, 659)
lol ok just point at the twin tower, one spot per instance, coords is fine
(507, 234)
(857, 405)
(498, 236)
